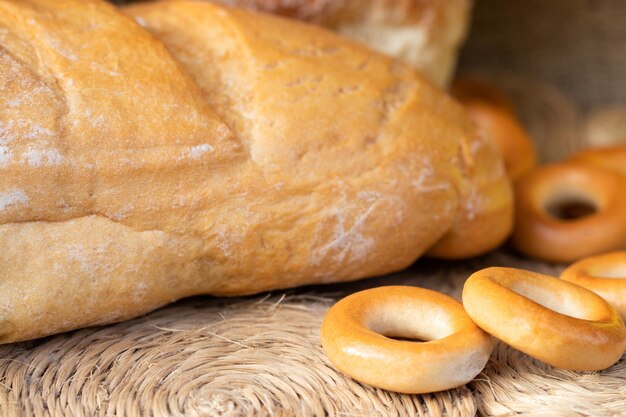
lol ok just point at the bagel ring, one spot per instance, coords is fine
(549, 224)
(555, 321)
(356, 338)
(612, 158)
(603, 274)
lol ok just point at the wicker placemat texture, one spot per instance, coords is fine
(514, 384)
(261, 356)
(202, 357)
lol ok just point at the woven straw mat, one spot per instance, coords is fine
(261, 356)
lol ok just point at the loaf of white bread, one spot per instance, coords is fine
(427, 34)
(177, 148)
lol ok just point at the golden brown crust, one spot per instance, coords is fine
(603, 274)
(222, 158)
(425, 33)
(612, 158)
(540, 233)
(495, 117)
(484, 208)
(356, 336)
(550, 319)
(483, 190)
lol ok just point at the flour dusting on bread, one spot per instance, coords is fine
(13, 198)
(39, 157)
(211, 151)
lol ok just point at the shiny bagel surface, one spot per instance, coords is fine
(357, 337)
(555, 321)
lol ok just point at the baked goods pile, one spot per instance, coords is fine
(564, 212)
(176, 148)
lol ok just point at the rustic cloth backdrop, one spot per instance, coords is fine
(563, 61)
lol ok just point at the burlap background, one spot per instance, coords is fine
(577, 46)
(562, 61)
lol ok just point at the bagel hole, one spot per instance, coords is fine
(560, 302)
(571, 208)
(410, 325)
(404, 339)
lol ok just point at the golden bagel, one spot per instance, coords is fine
(356, 336)
(555, 321)
(565, 212)
(603, 274)
(612, 158)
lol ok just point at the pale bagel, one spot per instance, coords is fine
(603, 274)
(555, 321)
(357, 331)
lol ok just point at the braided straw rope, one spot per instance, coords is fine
(262, 357)
(259, 357)
(516, 384)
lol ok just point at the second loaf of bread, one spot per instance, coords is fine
(216, 151)
(425, 33)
